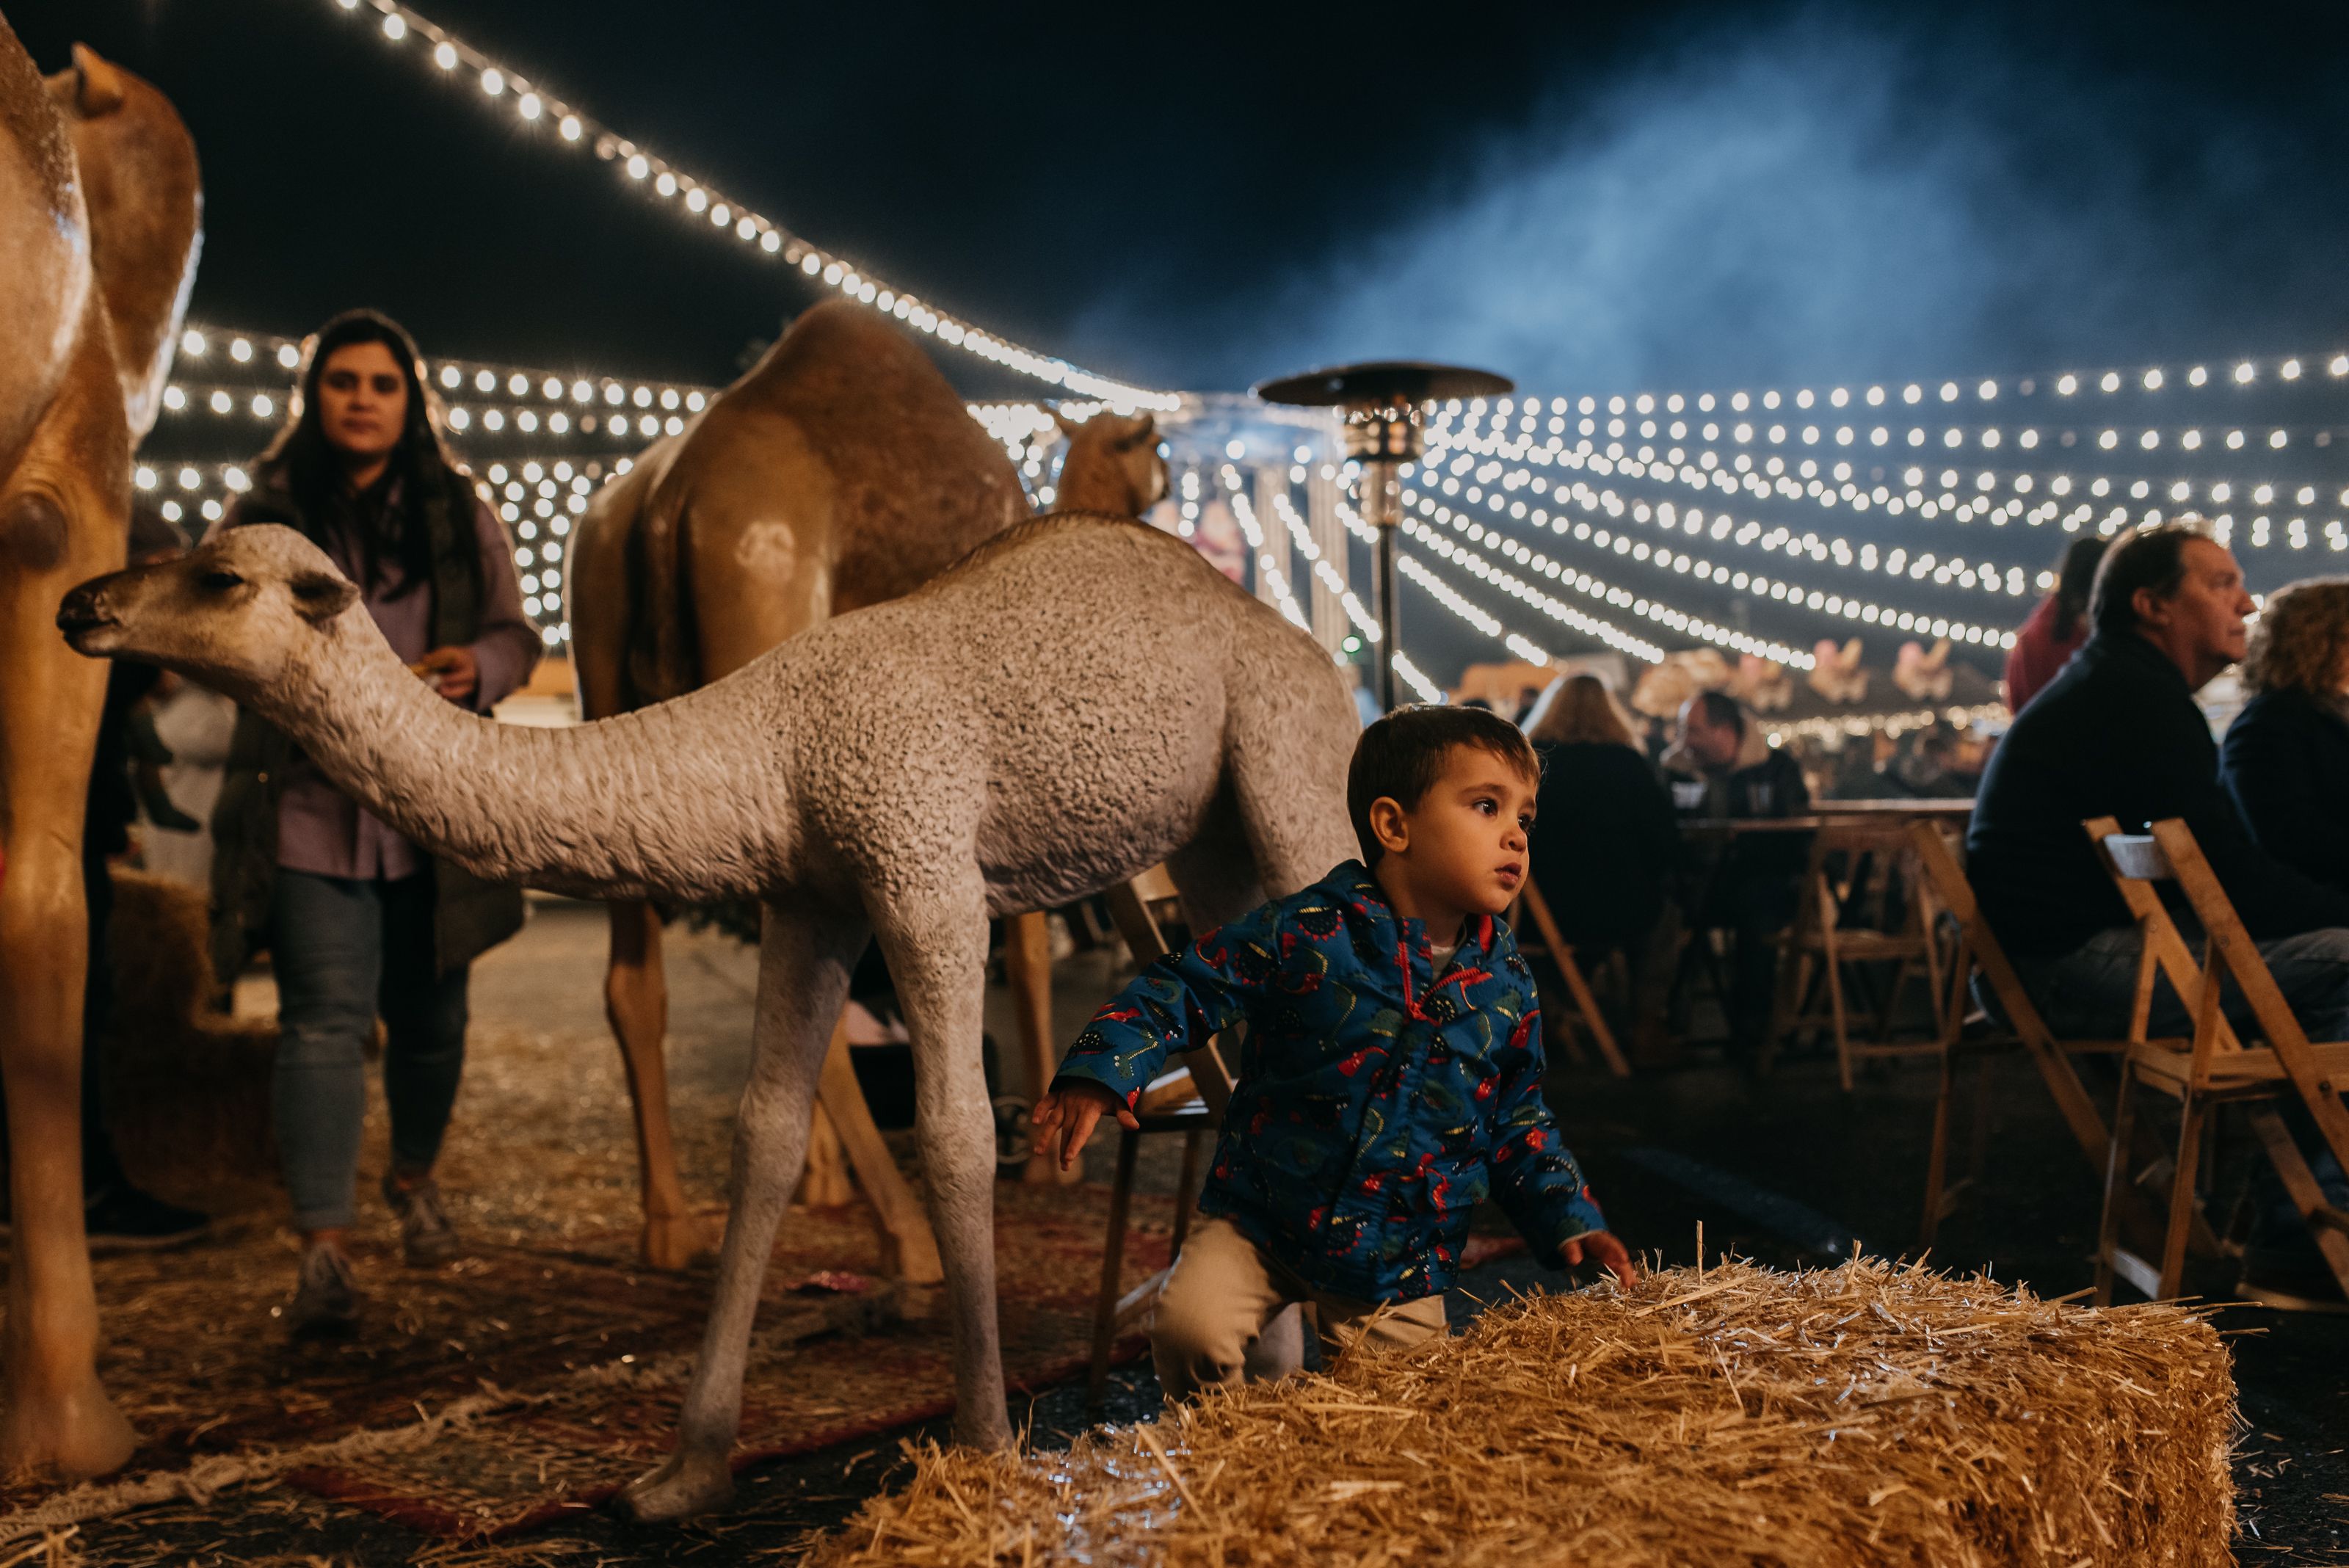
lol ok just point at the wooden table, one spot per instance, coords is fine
(1825, 812)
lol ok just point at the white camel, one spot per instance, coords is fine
(1072, 703)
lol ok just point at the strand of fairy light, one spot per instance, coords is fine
(2241, 372)
(1708, 471)
(535, 106)
(1253, 531)
(1794, 595)
(1565, 614)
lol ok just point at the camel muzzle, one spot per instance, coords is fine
(83, 615)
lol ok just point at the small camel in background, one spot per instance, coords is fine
(100, 211)
(1073, 702)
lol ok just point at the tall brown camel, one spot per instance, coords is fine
(100, 213)
(841, 472)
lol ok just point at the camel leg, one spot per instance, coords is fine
(636, 1001)
(804, 963)
(936, 950)
(61, 520)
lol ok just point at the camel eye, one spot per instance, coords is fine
(220, 580)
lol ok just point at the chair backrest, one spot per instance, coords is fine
(2136, 862)
(1978, 946)
(2231, 946)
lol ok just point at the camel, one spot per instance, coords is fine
(99, 217)
(840, 472)
(1113, 465)
(1076, 700)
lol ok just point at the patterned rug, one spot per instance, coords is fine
(504, 1389)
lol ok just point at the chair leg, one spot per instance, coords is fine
(1187, 1190)
(1588, 1005)
(2182, 1200)
(2306, 1194)
(1842, 1023)
(2115, 1182)
(1120, 1201)
(1937, 1158)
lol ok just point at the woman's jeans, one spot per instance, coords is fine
(343, 952)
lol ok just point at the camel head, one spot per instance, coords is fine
(1113, 465)
(146, 209)
(241, 614)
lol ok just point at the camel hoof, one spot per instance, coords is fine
(672, 1246)
(71, 1439)
(994, 1437)
(680, 1487)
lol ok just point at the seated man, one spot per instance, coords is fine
(1723, 767)
(2118, 734)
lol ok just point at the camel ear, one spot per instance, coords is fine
(1145, 431)
(320, 597)
(99, 88)
(1069, 427)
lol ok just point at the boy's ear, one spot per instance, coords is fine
(1390, 825)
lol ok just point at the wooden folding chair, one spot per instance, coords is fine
(1585, 1013)
(1856, 870)
(1190, 1099)
(2215, 1068)
(1969, 1034)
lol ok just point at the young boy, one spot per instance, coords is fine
(1392, 1074)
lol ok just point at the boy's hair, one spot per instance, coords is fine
(1401, 756)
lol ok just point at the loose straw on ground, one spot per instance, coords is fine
(1871, 1414)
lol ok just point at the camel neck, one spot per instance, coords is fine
(651, 802)
(1089, 485)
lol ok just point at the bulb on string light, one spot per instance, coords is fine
(395, 26)
(445, 56)
(494, 82)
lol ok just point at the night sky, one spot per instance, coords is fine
(1589, 197)
(1592, 199)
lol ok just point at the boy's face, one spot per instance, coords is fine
(1463, 846)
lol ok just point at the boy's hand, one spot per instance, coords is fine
(1601, 1248)
(1072, 1111)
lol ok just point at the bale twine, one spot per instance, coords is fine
(186, 1088)
(1871, 1414)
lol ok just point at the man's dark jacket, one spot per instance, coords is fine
(2116, 734)
(2286, 767)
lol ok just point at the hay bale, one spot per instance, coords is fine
(186, 1088)
(1871, 1414)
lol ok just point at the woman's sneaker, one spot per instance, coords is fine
(325, 1296)
(425, 1234)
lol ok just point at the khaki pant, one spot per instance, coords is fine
(1222, 1292)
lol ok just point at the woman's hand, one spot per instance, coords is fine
(454, 672)
(1071, 1112)
(1601, 1248)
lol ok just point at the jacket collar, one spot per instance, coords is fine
(2133, 652)
(1383, 931)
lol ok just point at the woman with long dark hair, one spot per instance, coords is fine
(1606, 845)
(2056, 628)
(359, 922)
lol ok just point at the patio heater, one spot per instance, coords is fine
(1383, 405)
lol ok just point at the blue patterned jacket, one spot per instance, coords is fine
(1376, 1103)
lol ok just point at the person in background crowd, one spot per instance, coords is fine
(2285, 762)
(358, 920)
(1607, 848)
(1724, 767)
(2118, 734)
(2056, 628)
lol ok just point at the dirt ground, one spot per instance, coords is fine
(1789, 1170)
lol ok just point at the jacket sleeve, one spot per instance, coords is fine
(1535, 1180)
(1175, 1005)
(2272, 780)
(2273, 900)
(507, 648)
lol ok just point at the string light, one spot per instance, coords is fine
(2066, 383)
(1847, 607)
(1524, 458)
(534, 103)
